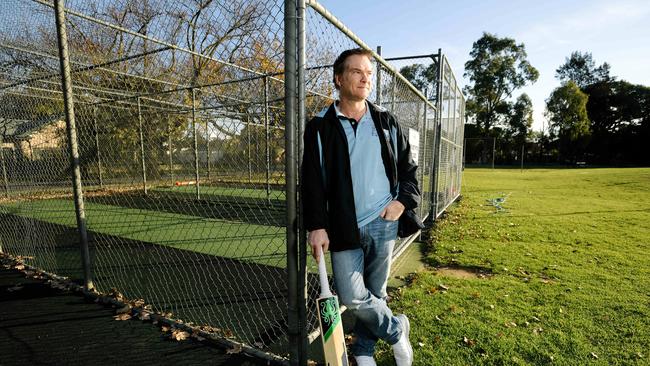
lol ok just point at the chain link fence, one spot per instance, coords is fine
(171, 162)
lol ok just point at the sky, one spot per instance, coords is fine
(616, 32)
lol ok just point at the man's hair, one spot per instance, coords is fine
(339, 64)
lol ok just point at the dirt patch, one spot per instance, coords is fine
(462, 272)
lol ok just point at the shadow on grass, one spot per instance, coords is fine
(245, 299)
(257, 211)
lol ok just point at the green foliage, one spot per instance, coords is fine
(422, 77)
(620, 120)
(497, 68)
(581, 68)
(566, 110)
(565, 272)
(521, 119)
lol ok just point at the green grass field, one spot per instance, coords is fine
(566, 272)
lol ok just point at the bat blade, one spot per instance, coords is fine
(331, 326)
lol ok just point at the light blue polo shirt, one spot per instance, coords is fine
(370, 184)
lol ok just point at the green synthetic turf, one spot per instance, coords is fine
(274, 194)
(203, 235)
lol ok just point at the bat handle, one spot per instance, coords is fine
(322, 274)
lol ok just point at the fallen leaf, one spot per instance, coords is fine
(164, 329)
(137, 303)
(144, 315)
(19, 267)
(179, 335)
(594, 355)
(236, 349)
(492, 307)
(537, 330)
(469, 342)
(511, 325)
(125, 309)
(124, 316)
(420, 344)
(443, 287)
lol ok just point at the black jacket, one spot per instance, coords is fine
(327, 195)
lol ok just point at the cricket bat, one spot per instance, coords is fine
(329, 317)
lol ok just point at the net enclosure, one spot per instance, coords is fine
(152, 147)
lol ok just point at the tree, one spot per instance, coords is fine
(566, 110)
(498, 67)
(620, 121)
(521, 119)
(422, 77)
(581, 68)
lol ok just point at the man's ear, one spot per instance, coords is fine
(336, 81)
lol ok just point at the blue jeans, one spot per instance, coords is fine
(360, 277)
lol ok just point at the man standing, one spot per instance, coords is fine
(358, 177)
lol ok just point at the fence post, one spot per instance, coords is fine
(4, 168)
(267, 145)
(196, 145)
(302, 234)
(423, 163)
(144, 166)
(71, 130)
(290, 53)
(207, 147)
(99, 154)
(494, 147)
(392, 94)
(248, 149)
(437, 140)
(171, 153)
(378, 78)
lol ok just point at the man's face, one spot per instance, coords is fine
(355, 82)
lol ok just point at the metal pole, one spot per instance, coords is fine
(207, 147)
(196, 145)
(392, 96)
(290, 52)
(302, 233)
(494, 145)
(423, 163)
(99, 154)
(144, 167)
(71, 129)
(267, 142)
(464, 152)
(171, 153)
(437, 140)
(378, 77)
(522, 156)
(248, 149)
(4, 168)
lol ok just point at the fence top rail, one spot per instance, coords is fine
(320, 9)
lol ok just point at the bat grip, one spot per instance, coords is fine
(322, 274)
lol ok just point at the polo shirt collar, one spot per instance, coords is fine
(340, 115)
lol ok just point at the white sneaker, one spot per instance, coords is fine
(365, 361)
(402, 349)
